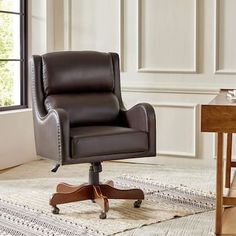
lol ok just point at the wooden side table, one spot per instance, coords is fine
(219, 116)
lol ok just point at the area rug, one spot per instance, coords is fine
(27, 212)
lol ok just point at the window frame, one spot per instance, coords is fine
(23, 57)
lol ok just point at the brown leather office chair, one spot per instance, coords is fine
(79, 117)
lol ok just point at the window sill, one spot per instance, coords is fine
(12, 108)
(7, 112)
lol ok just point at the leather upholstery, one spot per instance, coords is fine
(48, 124)
(141, 117)
(79, 114)
(73, 72)
(106, 140)
(86, 108)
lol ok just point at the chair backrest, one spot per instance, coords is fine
(82, 83)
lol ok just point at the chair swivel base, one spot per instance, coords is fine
(99, 194)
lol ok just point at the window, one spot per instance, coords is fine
(13, 54)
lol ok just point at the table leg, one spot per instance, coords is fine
(219, 184)
(228, 160)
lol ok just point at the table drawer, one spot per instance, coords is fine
(218, 118)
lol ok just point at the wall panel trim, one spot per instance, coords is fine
(68, 29)
(217, 69)
(67, 26)
(140, 67)
(193, 153)
(181, 90)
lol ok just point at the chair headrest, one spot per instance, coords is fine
(73, 72)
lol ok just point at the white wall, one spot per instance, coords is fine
(16, 138)
(175, 54)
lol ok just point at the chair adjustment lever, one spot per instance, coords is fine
(55, 168)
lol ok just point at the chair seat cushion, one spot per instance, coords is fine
(106, 140)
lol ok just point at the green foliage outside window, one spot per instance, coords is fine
(6, 47)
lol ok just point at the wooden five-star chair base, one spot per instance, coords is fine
(99, 194)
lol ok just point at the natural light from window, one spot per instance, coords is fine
(10, 53)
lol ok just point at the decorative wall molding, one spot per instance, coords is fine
(68, 29)
(217, 69)
(121, 34)
(193, 153)
(67, 26)
(140, 67)
(50, 37)
(180, 90)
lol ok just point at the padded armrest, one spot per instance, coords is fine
(142, 117)
(52, 134)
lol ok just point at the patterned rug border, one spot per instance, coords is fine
(75, 225)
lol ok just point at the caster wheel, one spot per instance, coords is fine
(103, 215)
(137, 203)
(55, 210)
